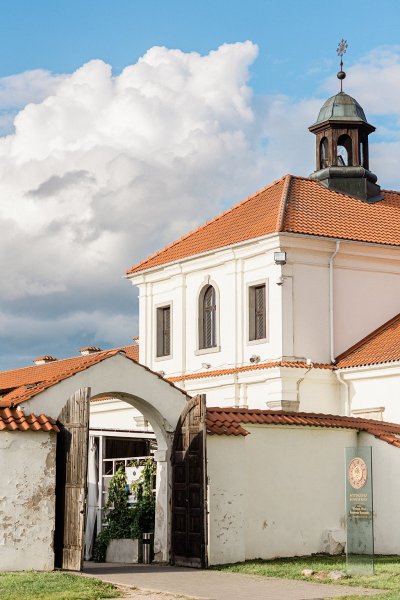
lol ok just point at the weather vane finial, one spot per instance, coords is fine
(341, 49)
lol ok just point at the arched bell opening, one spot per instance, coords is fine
(344, 151)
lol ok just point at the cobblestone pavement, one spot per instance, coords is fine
(155, 582)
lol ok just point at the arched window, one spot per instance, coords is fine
(344, 153)
(323, 154)
(207, 318)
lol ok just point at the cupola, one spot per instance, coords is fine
(342, 154)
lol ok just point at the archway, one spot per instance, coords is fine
(160, 402)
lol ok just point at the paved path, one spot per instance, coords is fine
(215, 585)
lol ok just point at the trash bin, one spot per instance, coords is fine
(146, 548)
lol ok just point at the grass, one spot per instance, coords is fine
(53, 586)
(387, 572)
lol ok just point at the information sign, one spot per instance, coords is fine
(359, 511)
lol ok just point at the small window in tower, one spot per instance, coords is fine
(344, 153)
(163, 331)
(363, 150)
(257, 312)
(323, 154)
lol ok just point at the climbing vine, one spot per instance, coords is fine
(122, 520)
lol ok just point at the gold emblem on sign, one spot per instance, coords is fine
(357, 473)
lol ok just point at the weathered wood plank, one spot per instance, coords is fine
(72, 460)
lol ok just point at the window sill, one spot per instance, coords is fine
(255, 342)
(207, 350)
(160, 358)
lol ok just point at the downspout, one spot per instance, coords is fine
(300, 381)
(347, 406)
(331, 316)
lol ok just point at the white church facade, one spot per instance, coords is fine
(254, 307)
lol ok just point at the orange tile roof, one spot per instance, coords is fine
(38, 373)
(256, 367)
(290, 204)
(257, 215)
(380, 346)
(23, 384)
(12, 419)
(229, 421)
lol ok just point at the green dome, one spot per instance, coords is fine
(341, 108)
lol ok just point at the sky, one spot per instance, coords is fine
(125, 124)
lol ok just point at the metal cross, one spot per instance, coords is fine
(342, 47)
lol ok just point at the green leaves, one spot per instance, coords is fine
(122, 520)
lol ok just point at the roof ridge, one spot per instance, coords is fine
(206, 224)
(284, 200)
(329, 416)
(367, 338)
(34, 367)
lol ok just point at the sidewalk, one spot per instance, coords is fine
(215, 585)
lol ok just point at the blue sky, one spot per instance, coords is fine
(297, 38)
(114, 146)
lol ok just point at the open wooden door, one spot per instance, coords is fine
(71, 473)
(189, 510)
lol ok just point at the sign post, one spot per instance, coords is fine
(359, 511)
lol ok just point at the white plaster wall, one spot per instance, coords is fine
(231, 271)
(279, 489)
(113, 414)
(311, 311)
(375, 387)
(386, 490)
(367, 290)
(226, 465)
(366, 287)
(318, 389)
(27, 500)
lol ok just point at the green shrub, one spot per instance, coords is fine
(123, 521)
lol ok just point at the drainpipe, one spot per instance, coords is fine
(347, 406)
(331, 323)
(311, 364)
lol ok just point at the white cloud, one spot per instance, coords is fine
(103, 170)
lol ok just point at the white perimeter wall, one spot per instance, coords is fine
(386, 493)
(27, 500)
(275, 492)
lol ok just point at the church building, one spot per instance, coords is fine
(273, 330)
(290, 299)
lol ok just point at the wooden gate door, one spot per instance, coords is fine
(71, 486)
(189, 511)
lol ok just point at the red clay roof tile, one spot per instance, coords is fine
(35, 374)
(290, 204)
(254, 367)
(380, 346)
(22, 384)
(12, 419)
(229, 421)
(257, 215)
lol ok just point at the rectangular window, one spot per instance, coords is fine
(257, 312)
(164, 331)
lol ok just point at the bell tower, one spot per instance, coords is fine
(342, 154)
